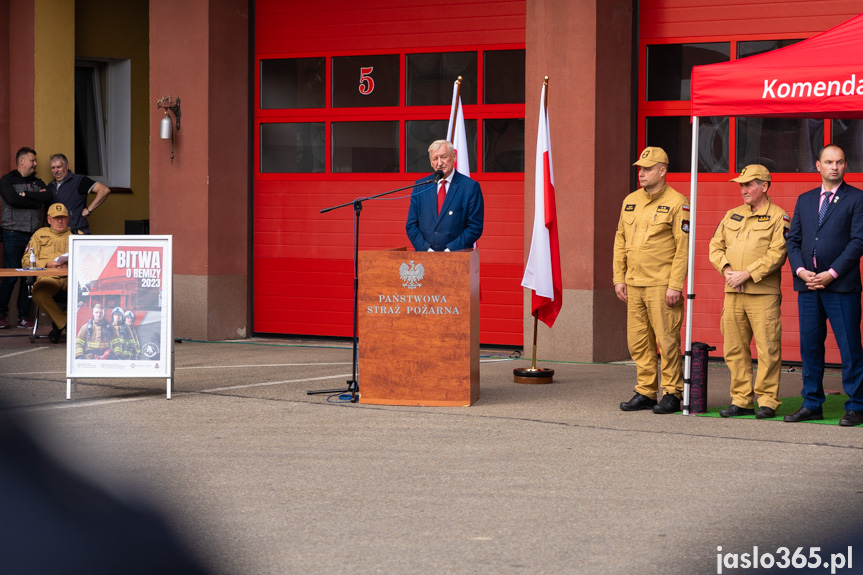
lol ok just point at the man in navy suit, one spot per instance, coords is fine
(448, 216)
(825, 244)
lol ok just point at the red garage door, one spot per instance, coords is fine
(347, 99)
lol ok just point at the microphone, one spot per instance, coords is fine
(438, 176)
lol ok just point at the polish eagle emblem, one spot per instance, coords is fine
(411, 274)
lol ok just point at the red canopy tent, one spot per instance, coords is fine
(821, 77)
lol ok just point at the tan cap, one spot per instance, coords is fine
(57, 210)
(753, 172)
(651, 156)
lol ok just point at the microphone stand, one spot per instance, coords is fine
(354, 384)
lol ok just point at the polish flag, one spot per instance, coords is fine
(542, 274)
(459, 136)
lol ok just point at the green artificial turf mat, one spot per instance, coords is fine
(833, 407)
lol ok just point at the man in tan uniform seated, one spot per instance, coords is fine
(46, 244)
(748, 249)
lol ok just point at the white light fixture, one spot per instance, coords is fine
(165, 132)
(165, 128)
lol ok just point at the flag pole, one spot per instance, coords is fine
(545, 102)
(454, 113)
(534, 375)
(535, 324)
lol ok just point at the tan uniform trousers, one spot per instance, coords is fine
(650, 321)
(44, 291)
(743, 316)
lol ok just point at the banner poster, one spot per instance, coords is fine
(119, 307)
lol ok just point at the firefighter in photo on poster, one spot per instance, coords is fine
(131, 345)
(97, 338)
(117, 318)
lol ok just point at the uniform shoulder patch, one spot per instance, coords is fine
(763, 218)
(684, 225)
(786, 218)
(629, 208)
(663, 209)
(685, 207)
(737, 217)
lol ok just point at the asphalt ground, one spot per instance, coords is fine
(256, 476)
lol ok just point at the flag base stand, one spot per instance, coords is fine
(532, 374)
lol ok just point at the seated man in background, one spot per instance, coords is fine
(47, 244)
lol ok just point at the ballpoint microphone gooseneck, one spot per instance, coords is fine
(438, 176)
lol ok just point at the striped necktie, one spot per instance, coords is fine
(824, 205)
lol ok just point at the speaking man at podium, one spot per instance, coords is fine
(451, 217)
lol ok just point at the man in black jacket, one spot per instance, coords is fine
(22, 196)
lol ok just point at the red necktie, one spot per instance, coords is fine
(441, 194)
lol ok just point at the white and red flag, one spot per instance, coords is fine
(456, 133)
(542, 274)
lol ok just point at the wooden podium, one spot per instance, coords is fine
(419, 327)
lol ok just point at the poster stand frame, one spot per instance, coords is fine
(140, 266)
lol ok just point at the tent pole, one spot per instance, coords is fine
(690, 276)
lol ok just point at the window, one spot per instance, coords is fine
(430, 78)
(103, 121)
(368, 147)
(669, 67)
(293, 148)
(293, 83)
(503, 145)
(779, 144)
(365, 81)
(755, 47)
(419, 134)
(849, 135)
(674, 135)
(378, 113)
(89, 123)
(503, 77)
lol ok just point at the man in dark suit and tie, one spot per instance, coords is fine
(449, 216)
(825, 244)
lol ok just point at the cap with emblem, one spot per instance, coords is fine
(58, 210)
(753, 172)
(651, 156)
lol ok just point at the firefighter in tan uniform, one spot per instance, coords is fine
(650, 259)
(748, 249)
(46, 245)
